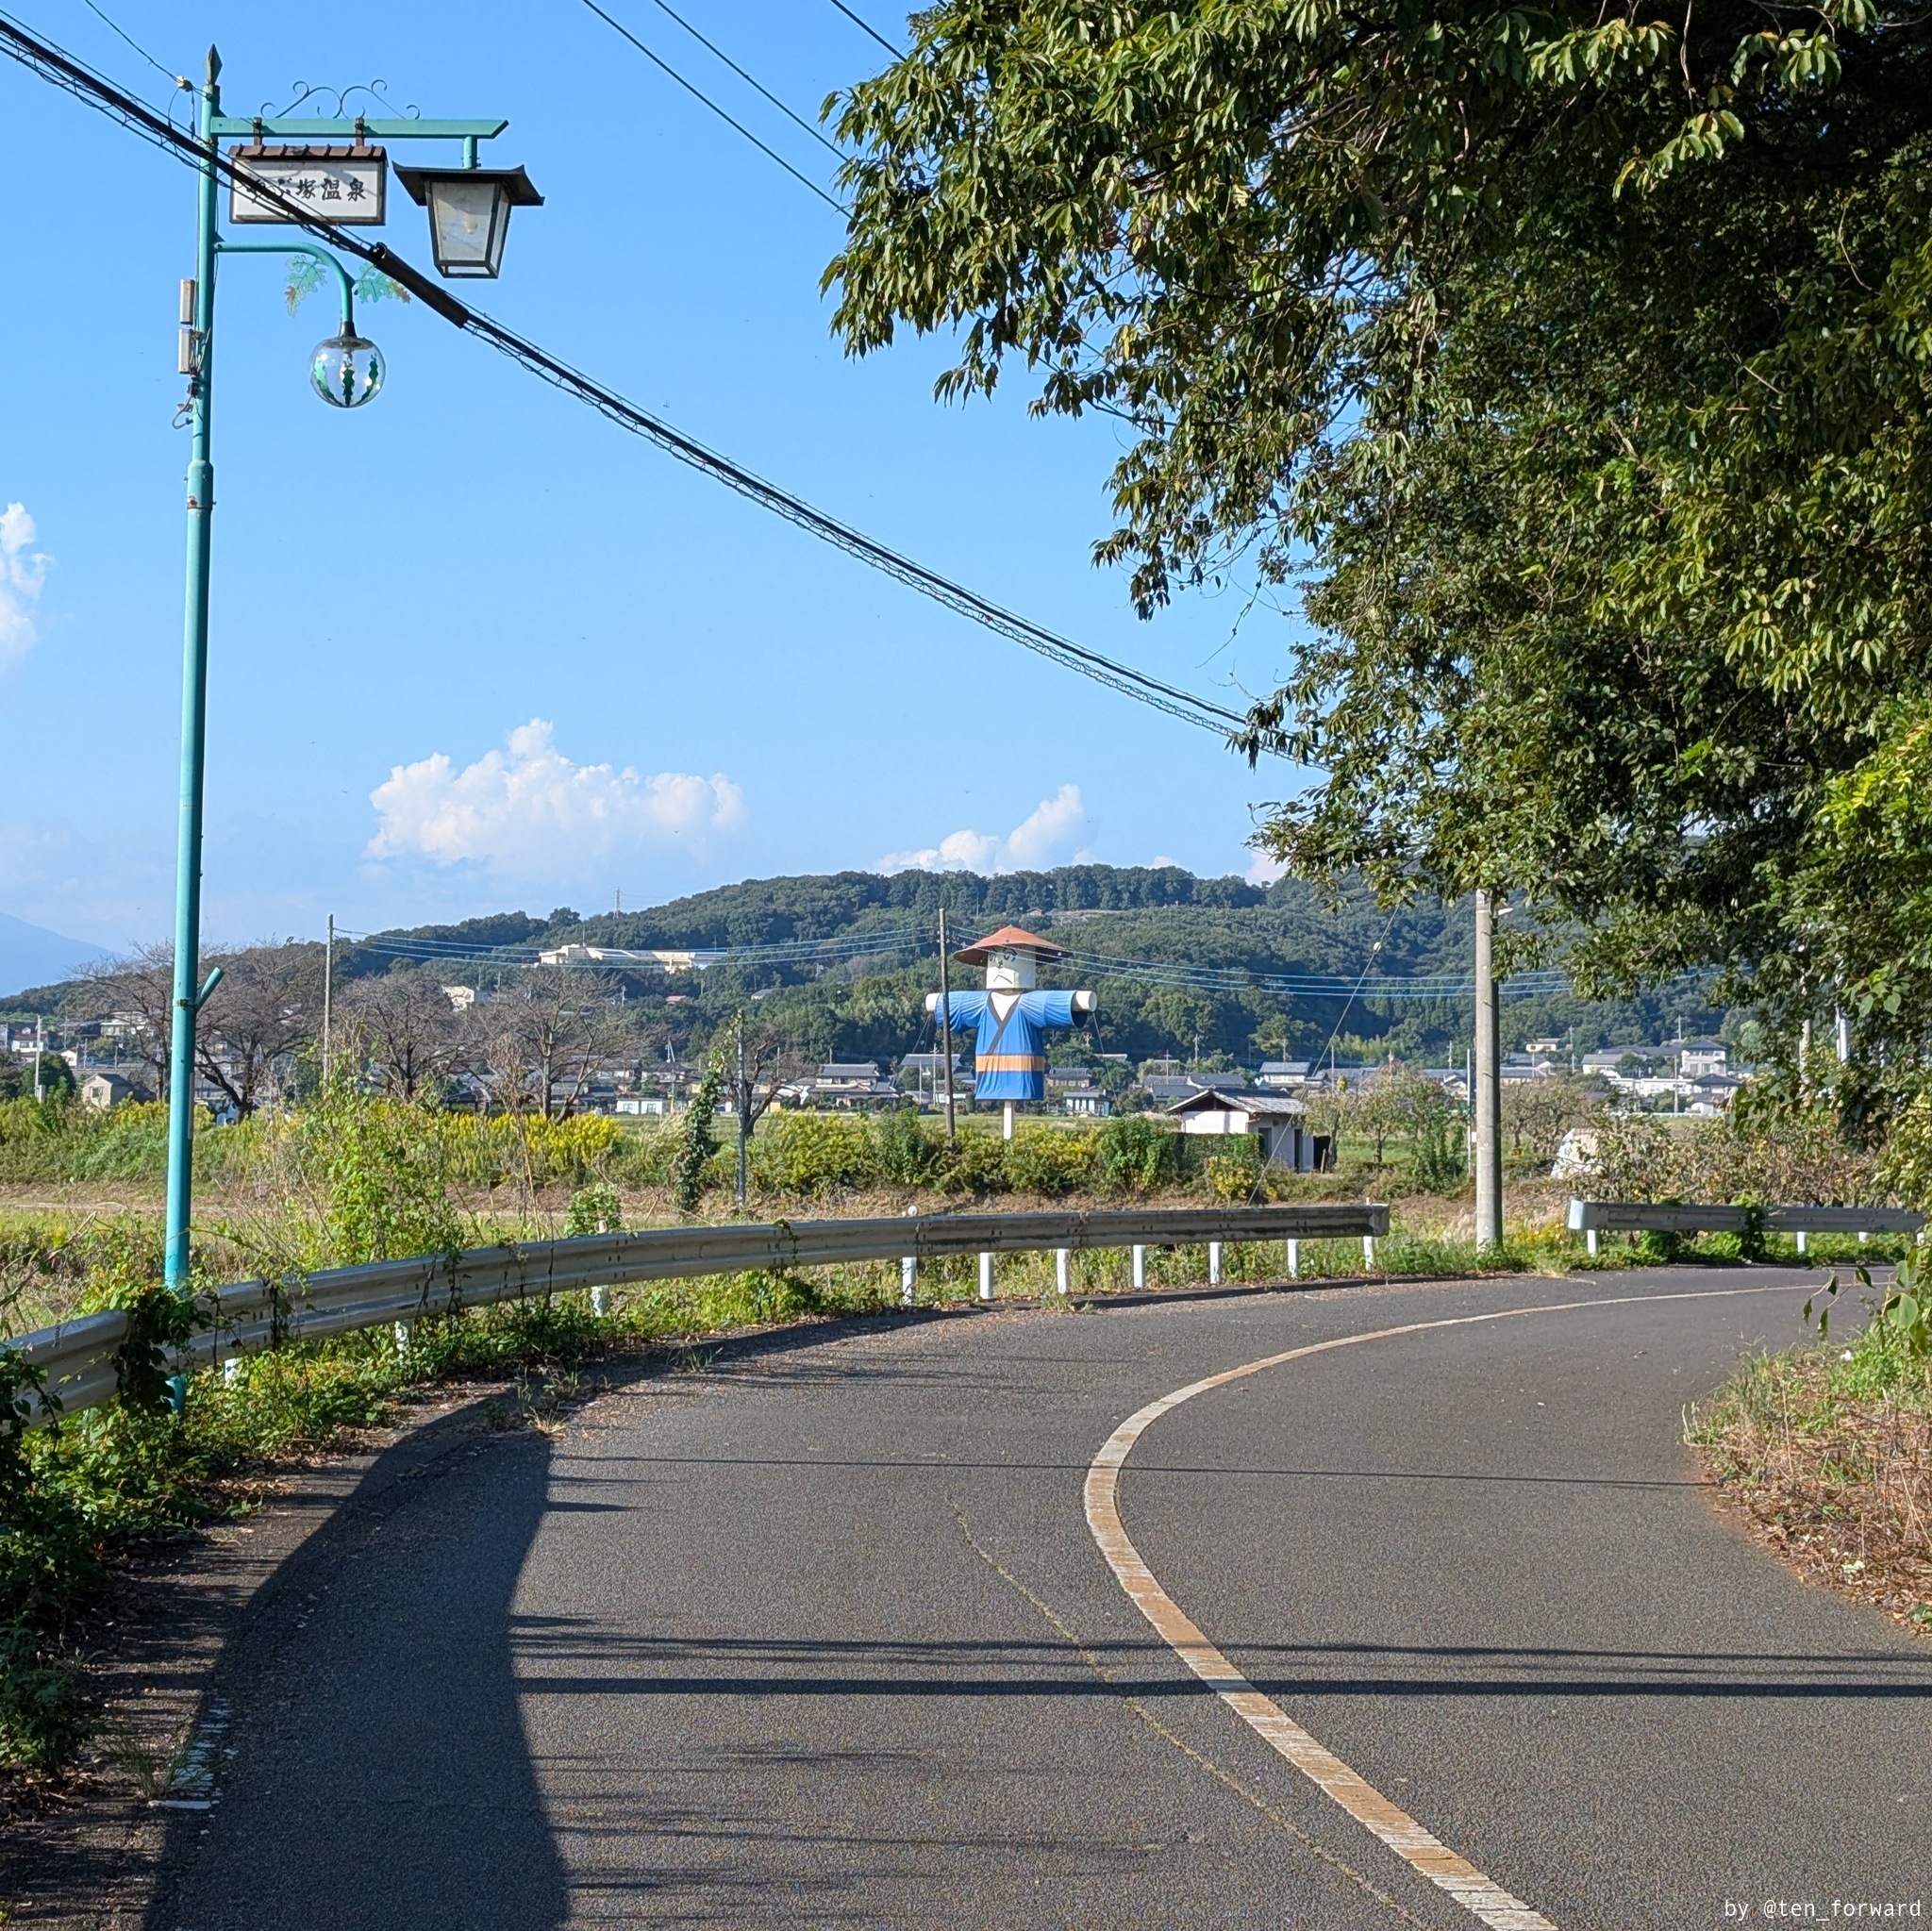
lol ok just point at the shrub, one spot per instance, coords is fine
(1233, 1169)
(1436, 1162)
(1049, 1161)
(903, 1152)
(594, 1210)
(1801, 1158)
(972, 1164)
(807, 1154)
(1131, 1154)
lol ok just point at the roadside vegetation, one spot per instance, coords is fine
(1827, 1450)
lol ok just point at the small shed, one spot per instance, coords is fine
(1279, 1124)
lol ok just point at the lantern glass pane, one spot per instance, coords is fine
(467, 220)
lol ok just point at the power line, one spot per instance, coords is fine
(750, 80)
(73, 77)
(1197, 978)
(698, 93)
(866, 27)
(174, 79)
(907, 935)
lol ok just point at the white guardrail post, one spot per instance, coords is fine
(1214, 1263)
(77, 1358)
(1295, 1260)
(1139, 1269)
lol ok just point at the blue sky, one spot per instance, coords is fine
(472, 646)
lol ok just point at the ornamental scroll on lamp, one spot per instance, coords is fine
(1011, 1016)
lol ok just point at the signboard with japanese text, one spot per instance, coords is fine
(339, 185)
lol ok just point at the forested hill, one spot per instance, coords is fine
(869, 1006)
(767, 911)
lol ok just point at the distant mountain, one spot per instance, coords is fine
(32, 956)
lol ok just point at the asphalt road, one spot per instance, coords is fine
(824, 1639)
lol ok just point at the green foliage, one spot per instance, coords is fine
(775, 1295)
(1048, 1160)
(1131, 1154)
(594, 1210)
(1801, 1159)
(1578, 364)
(697, 1141)
(803, 1155)
(370, 1180)
(1233, 1169)
(903, 1152)
(1435, 1162)
(973, 1165)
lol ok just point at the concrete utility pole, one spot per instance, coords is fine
(946, 1021)
(328, 983)
(743, 1098)
(40, 1052)
(1489, 1081)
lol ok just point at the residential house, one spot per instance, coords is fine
(1164, 1088)
(1697, 1058)
(1281, 1074)
(102, 1090)
(852, 1083)
(1086, 1102)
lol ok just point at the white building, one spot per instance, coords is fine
(1279, 1124)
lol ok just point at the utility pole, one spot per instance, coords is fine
(328, 975)
(743, 1106)
(1488, 1083)
(946, 1021)
(198, 302)
(40, 1052)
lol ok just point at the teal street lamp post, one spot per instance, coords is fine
(469, 214)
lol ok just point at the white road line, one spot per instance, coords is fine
(1416, 1846)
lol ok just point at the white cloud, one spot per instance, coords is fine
(1264, 869)
(1037, 840)
(533, 809)
(23, 571)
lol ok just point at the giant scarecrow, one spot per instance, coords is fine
(1011, 1017)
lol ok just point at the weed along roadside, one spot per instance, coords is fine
(1826, 1450)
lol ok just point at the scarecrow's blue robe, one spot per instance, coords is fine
(1009, 1051)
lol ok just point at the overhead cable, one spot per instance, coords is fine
(690, 87)
(842, 946)
(167, 73)
(750, 80)
(866, 27)
(63, 71)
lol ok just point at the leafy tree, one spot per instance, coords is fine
(1579, 360)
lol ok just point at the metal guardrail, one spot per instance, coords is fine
(1593, 1217)
(77, 1358)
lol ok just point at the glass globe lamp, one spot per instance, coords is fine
(345, 371)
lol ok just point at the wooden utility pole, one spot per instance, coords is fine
(1489, 1081)
(946, 1021)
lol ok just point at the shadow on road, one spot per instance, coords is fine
(376, 1772)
